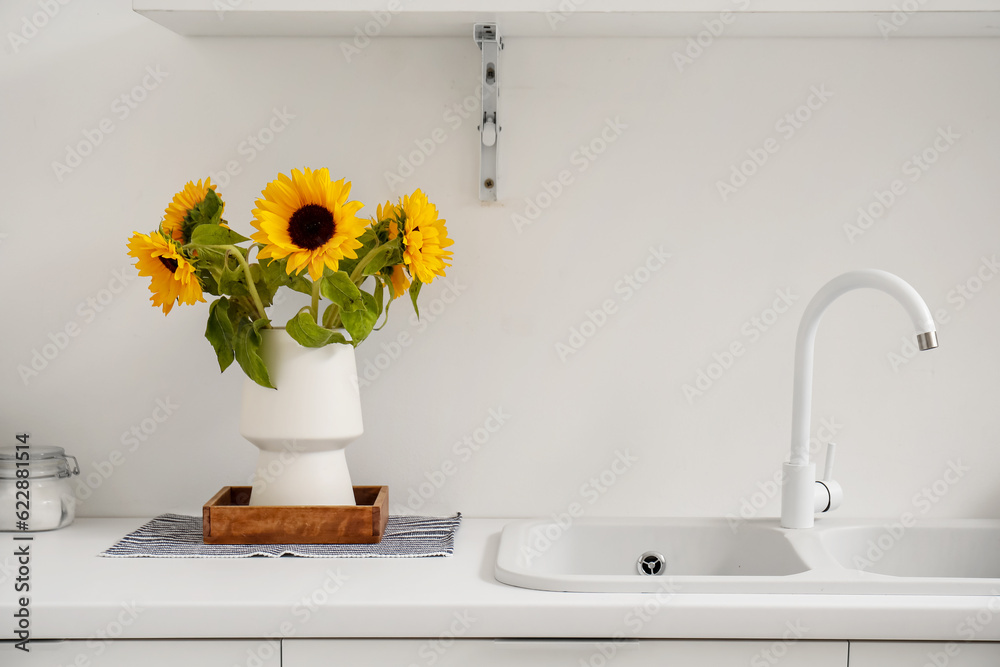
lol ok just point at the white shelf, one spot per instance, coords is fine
(591, 18)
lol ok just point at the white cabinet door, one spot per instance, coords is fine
(925, 654)
(143, 653)
(545, 653)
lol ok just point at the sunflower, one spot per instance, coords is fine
(173, 278)
(386, 211)
(400, 281)
(180, 208)
(425, 237)
(395, 274)
(308, 219)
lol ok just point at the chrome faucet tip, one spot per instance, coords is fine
(927, 340)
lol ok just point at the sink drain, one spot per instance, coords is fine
(651, 564)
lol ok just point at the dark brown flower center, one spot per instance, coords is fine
(311, 226)
(169, 263)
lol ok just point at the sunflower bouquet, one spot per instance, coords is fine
(309, 239)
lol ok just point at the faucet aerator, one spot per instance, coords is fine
(927, 340)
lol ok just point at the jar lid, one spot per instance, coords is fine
(35, 453)
(41, 461)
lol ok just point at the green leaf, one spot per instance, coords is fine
(359, 323)
(379, 296)
(215, 235)
(386, 255)
(265, 290)
(301, 284)
(303, 328)
(414, 293)
(339, 288)
(206, 212)
(207, 281)
(212, 206)
(209, 262)
(219, 332)
(272, 272)
(242, 311)
(247, 344)
(387, 279)
(368, 238)
(377, 261)
(368, 241)
(379, 301)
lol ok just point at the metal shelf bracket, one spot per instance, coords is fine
(488, 39)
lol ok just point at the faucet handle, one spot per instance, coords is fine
(831, 452)
(829, 494)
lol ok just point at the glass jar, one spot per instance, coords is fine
(35, 489)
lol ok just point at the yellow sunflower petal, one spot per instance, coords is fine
(171, 274)
(177, 210)
(400, 283)
(307, 218)
(425, 237)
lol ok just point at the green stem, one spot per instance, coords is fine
(233, 250)
(359, 269)
(332, 318)
(315, 300)
(332, 315)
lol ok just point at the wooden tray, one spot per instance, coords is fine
(229, 519)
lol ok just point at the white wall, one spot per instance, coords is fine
(522, 290)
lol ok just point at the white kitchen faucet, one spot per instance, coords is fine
(802, 496)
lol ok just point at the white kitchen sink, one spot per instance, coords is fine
(965, 550)
(655, 555)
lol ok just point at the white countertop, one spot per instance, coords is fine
(77, 594)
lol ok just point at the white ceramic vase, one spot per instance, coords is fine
(303, 426)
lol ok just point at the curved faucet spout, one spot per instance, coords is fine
(794, 508)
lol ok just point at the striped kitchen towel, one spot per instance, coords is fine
(179, 536)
